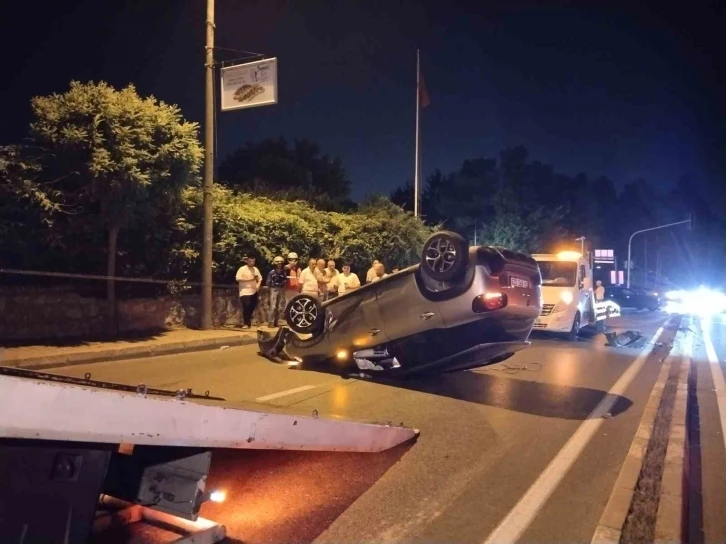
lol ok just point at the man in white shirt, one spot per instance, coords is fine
(309, 279)
(322, 280)
(379, 272)
(249, 280)
(599, 292)
(345, 281)
(372, 271)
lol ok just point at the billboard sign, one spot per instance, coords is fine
(249, 85)
(604, 256)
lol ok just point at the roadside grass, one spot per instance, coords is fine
(639, 526)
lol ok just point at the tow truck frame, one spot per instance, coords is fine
(70, 448)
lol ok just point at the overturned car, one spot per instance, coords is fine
(459, 308)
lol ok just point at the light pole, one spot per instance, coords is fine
(630, 241)
(208, 221)
(581, 239)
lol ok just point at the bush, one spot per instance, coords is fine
(249, 224)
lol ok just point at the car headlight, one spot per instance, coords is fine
(565, 300)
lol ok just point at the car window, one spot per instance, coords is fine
(628, 292)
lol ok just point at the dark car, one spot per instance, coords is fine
(459, 308)
(633, 298)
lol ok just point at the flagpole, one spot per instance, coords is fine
(418, 105)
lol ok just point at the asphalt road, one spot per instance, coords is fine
(512, 447)
(709, 360)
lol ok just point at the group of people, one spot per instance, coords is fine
(320, 279)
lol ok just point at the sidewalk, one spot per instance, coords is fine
(163, 343)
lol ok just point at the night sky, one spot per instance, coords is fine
(626, 92)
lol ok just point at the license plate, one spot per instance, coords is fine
(518, 282)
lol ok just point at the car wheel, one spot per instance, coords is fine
(652, 308)
(445, 256)
(575, 331)
(304, 314)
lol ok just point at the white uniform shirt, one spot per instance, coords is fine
(308, 281)
(247, 279)
(345, 283)
(599, 293)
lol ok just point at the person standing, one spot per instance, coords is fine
(330, 270)
(309, 279)
(322, 280)
(345, 281)
(330, 273)
(292, 286)
(602, 324)
(599, 291)
(276, 281)
(249, 280)
(372, 271)
(379, 272)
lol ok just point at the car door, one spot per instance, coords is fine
(355, 321)
(404, 310)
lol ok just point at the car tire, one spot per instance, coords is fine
(304, 314)
(575, 330)
(652, 308)
(445, 256)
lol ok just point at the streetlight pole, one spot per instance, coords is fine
(630, 241)
(581, 239)
(207, 240)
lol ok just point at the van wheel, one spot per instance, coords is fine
(575, 331)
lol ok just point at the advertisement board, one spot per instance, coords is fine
(249, 85)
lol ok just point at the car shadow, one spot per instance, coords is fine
(492, 386)
(510, 393)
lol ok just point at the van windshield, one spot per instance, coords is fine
(558, 273)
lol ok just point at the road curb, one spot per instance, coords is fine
(131, 352)
(671, 520)
(609, 528)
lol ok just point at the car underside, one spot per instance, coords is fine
(459, 308)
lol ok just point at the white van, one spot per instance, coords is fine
(567, 295)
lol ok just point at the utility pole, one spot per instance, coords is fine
(416, 174)
(645, 260)
(630, 241)
(581, 239)
(208, 222)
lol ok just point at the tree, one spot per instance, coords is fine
(273, 168)
(28, 206)
(119, 156)
(505, 201)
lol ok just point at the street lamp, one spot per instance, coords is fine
(581, 239)
(630, 241)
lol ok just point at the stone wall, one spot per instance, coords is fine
(47, 314)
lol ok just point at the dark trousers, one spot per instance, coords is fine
(277, 304)
(249, 303)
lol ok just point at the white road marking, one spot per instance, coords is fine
(521, 516)
(717, 374)
(285, 393)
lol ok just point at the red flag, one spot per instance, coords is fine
(423, 95)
